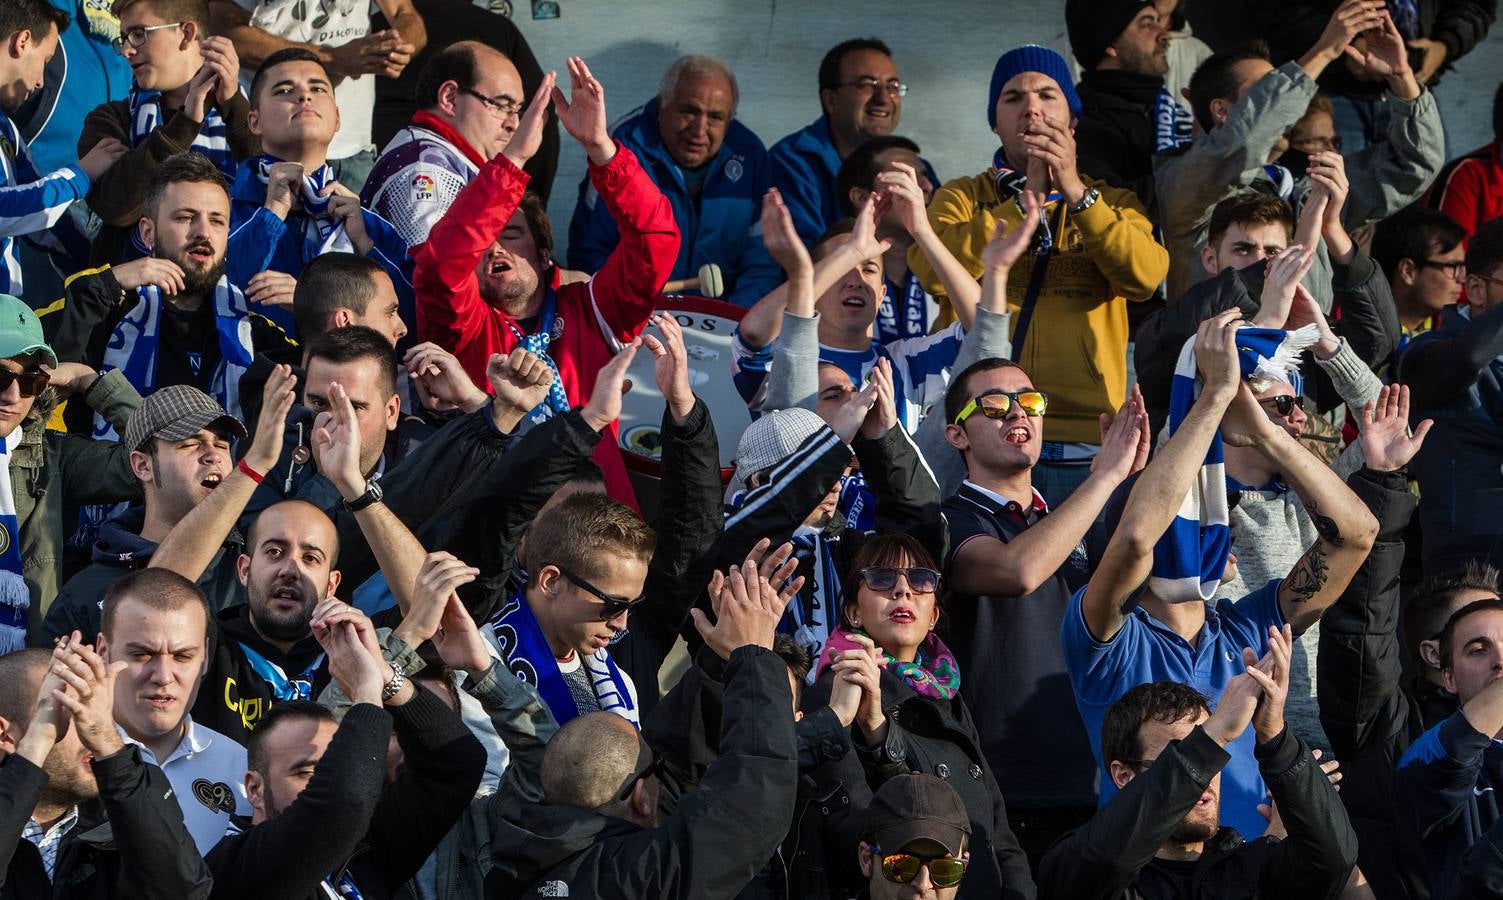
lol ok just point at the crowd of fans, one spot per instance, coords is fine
(1114, 522)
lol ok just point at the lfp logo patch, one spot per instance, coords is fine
(423, 188)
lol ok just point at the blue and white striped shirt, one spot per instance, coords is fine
(29, 203)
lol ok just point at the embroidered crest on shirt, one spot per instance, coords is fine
(733, 168)
(216, 795)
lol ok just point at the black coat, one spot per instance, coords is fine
(937, 737)
(1114, 139)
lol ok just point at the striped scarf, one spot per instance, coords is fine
(1189, 559)
(212, 140)
(1010, 185)
(325, 233)
(15, 597)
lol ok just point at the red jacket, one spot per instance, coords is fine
(1470, 188)
(594, 320)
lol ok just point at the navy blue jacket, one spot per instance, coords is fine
(1447, 791)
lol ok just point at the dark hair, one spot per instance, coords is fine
(31, 15)
(1410, 234)
(187, 167)
(1484, 251)
(457, 63)
(162, 590)
(588, 472)
(1428, 609)
(1249, 208)
(1448, 633)
(195, 11)
(860, 168)
(959, 392)
(883, 550)
(574, 533)
(829, 67)
(281, 711)
(535, 213)
(286, 55)
(331, 282)
(1160, 701)
(797, 660)
(356, 342)
(1216, 78)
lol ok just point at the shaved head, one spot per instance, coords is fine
(20, 678)
(589, 760)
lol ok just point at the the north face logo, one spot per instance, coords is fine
(553, 889)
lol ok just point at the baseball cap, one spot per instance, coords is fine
(773, 438)
(21, 331)
(916, 807)
(177, 412)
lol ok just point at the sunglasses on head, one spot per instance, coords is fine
(885, 578)
(996, 404)
(1284, 403)
(610, 607)
(32, 383)
(902, 868)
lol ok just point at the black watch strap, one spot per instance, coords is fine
(371, 496)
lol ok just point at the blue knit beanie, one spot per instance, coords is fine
(1030, 58)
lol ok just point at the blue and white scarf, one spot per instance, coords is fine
(324, 232)
(1173, 125)
(1189, 559)
(133, 348)
(526, 653)
(283, 686)
(213, 135)
(1010, 185)
(15, 598)
(905, 312)
(557, 401)
(813, 615)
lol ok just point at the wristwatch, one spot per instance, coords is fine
(394, 685)
(1086, 202)
(372, 495)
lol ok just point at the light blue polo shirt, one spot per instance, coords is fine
(1147, 650)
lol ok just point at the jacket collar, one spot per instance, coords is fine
(1133, 87)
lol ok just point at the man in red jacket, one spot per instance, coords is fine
(486, 280)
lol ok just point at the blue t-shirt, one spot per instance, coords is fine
(1146, 650)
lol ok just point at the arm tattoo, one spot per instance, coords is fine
(1309, 575)
(1325, 526)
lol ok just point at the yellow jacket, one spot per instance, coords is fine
(1076, 346)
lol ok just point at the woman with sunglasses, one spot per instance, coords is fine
(912, 718)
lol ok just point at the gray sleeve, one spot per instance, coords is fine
(794, 377)
(1389, 175)
(524, 723)
(1357, 386)
(987, 339)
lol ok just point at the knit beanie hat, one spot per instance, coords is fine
(1094, 25)
(1031, 58)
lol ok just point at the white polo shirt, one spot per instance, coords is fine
(207, 772)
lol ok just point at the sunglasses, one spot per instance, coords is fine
(901, 868)
(885, 578)
(32, 383)
(995, 405)
(610, 607)
(1284, 403)
(654, 767)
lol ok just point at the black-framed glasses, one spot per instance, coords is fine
(654, 767)
(995, 404)
(902, 868)
(884, 578)
(1317, 144)
(503, 106)
(870, 85)
(610, 607)
(1452, 267)
(1284, 403)
(31, 383)
(137, 36)
(1142, 764)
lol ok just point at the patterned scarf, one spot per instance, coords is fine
(283, 687)
(1010, 185)
(933, 672)
(526, 653)
(328, 234)
(1173, 126)
(557, 402)
(1189, 559)
(212, 139)
(15, 598)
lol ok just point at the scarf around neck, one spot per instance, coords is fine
(324, 232)
(1010, 185)
(15, 597)
(212, 139)
(933, 672)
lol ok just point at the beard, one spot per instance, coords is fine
(1134, 60)
(1195, 830)
(292, 626)
(196, 281)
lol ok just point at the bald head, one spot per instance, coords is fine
(20, 678)
(589, 760)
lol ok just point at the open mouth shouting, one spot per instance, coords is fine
(211, 481)
(201, 253)
(902, 615)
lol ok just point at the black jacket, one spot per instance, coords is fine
(1111, 857)
(1114, 139)
(345, 821)
(707, 850)
(130, 844)
(233, 695)
(938, 737)
(1367, 320)
(818, 856)
(1370, 708)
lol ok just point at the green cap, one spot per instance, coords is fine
(21, 331)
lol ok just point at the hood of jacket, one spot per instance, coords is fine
(120, 542)
(552, 835)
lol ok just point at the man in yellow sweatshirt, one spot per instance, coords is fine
(1093, 252)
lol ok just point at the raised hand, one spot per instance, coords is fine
(355, 661)
(863, 668)
(883, 416)
(344, 205)
(1234, 711)
(1245, 424)
(71, 378)
(864, 243)
(1008, 245)
(271, 289)
(520, 382)
(583, 113)
(850, 415)
(164, 274)
(1433, 55)
(1387, 442)
(49, 721)
(336, 444)
(900, 183)
(670, 365)
(747, 609)
(1327, 170)
(1383, 54)
(441, 574)
(1349, 20)
(441, 382)
(775, 565)
(528, 137)
(1054, 145)
(1280, 278)
(1272, 675)
(610, 386)
(284, 183)
(221, 59)
(1216, 351)
(780, 237)
(199, 98)
(1124, 440)
(101, 156)
(1306, 311)
(276, 401)
(90, 698)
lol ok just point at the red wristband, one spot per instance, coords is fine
(255, 476)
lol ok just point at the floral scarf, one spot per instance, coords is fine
(933, 672)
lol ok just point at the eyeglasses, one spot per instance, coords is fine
(1143, 764)
(1284, 403)
(871, 85)
(1452, 268)
(31, 383)
(901, 868)
(1490, 279)
(885, 578)
(654, 767)
(505, 107)
(1317, 144)
(995, 404)
(610, 607)
(137, 36)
